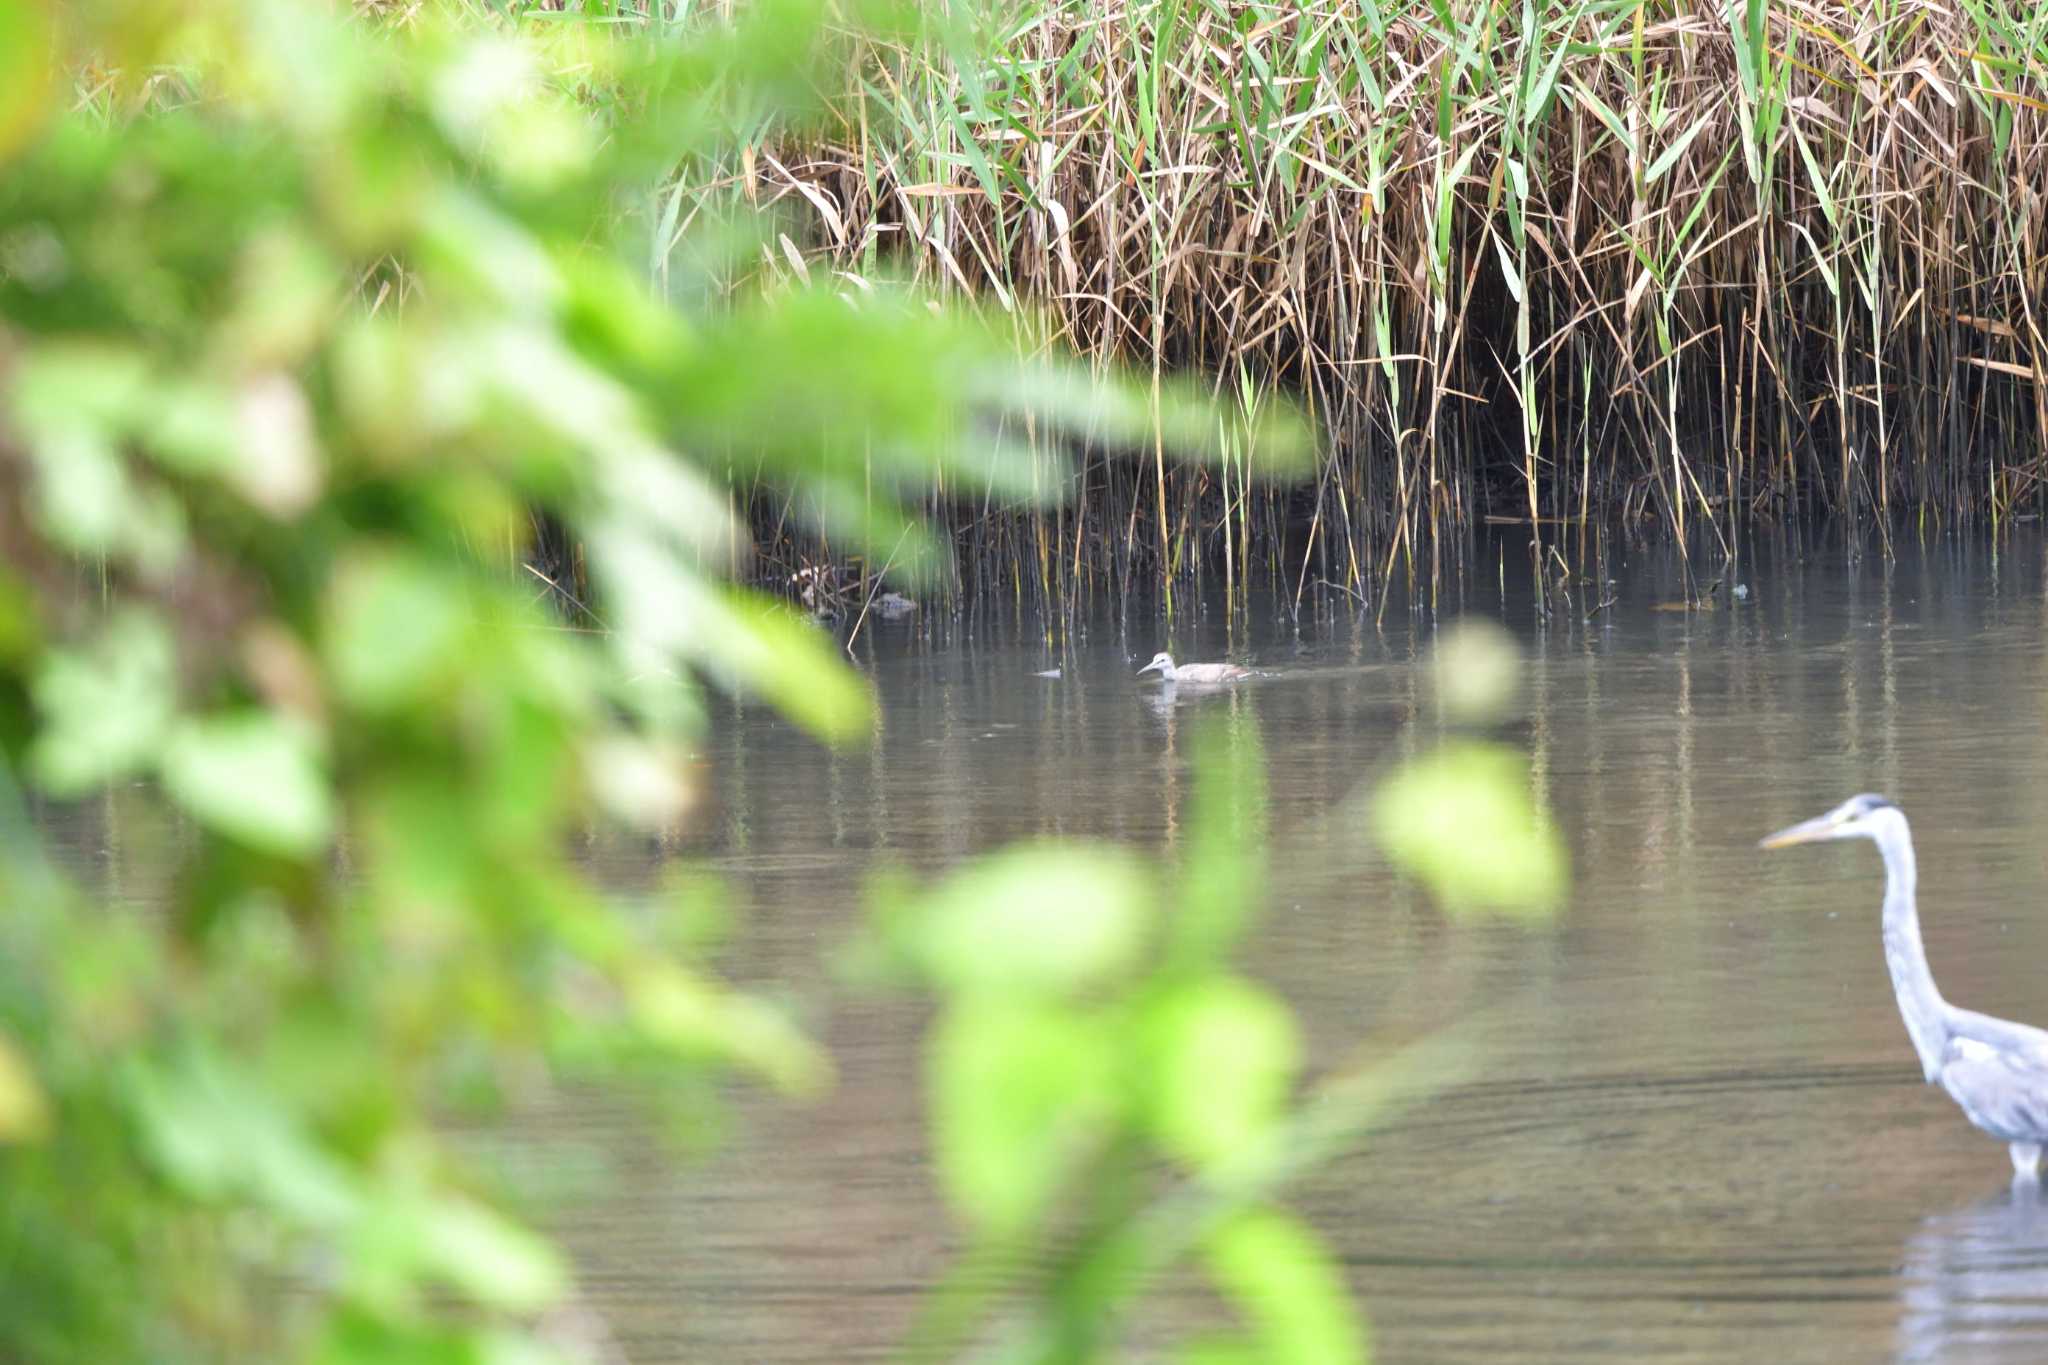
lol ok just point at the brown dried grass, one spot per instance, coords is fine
(1658, 262)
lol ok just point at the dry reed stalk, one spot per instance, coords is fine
(1682, 263)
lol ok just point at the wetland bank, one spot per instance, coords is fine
(1689, 267)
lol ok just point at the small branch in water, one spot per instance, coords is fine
(874, 586)
(564, 593)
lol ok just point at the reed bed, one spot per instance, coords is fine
(1646, 264)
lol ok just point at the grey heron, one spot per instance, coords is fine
(1193, 673)
(1996, 1070)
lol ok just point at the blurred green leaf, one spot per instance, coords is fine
(453, 1241)
(754, 643)
(640, 783)
(490, 257)
(489, 78)
(667, 499)
(1031, 919)
(1019, 1093)
(1220, 1057)
(1223, 868)
(78, 403)
(663, 610)
(361, 1338)
(193, 428)
(25, 53)
(253, 776)
(355, 1337)
(1221, 1351)
(396, 624)
(724, 82)
(100, 387)
(495, 1262)
(1275, 442)
(220, 1134)
(286, 288)
(509, 1347)
(20, 631)
(400, 391)
(24, 1110)
(689, 1012)
(87, 501)
(1477, 671)
(107, 708)
(1282, 1280)
(1462, 821)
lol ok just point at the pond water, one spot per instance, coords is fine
(1695, 1128)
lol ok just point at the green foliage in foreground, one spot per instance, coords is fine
(301, 320)
(1077, 1057)
(1111, 1097)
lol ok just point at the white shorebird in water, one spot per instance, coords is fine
(1997, 1071)
(1193, 673)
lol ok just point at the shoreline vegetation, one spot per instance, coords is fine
(1640, 267)
(1613, 268)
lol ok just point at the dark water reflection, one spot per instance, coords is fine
(1696, 1130)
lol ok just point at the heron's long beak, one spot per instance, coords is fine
(1148, 668)
(1805, 832)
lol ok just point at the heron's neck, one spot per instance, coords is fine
(1919, 1002)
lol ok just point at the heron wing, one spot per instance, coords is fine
(1998, 1072)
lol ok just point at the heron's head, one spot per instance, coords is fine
(1860, 817)
(1161, 661)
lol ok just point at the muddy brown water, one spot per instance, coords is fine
(1694, 1129)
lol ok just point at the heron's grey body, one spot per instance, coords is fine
(1194, 673)
(1996, 1070)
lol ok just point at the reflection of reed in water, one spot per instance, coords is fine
(1974, 1283)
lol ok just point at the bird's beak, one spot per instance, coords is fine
(1805, 832)
(1148, 668)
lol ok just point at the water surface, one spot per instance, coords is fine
(1696, 1131)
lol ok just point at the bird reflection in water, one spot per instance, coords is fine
(1161, 701)
(1973, 1284)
